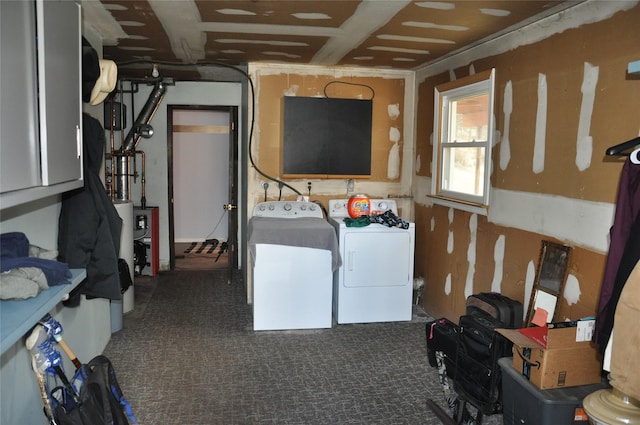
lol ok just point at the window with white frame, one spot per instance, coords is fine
(463, 135)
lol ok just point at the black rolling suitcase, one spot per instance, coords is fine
(477, 380)
(442, 346)
(442, 336)
(500, 307)
(478, 376)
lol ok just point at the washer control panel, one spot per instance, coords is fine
(338, 207)
(287, 209)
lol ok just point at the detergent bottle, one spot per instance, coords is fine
(359, 205)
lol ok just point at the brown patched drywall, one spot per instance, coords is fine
(561, 59)
(424, 122)
(520, 264)
(272, 89)
(608, 45)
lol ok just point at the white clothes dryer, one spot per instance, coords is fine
(375, 281)
(293, 251)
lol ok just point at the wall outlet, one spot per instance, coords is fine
(350, 185)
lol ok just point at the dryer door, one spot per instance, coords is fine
(377, 258)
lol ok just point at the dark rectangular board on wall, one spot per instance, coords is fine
(326, 137)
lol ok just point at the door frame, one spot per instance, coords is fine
(233, 179)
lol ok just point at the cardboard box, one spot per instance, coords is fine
(557, 357)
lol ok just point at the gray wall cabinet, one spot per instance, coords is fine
(41, 106)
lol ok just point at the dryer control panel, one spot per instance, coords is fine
(338, 207)
(287, 209)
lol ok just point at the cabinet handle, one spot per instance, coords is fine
(78, 141)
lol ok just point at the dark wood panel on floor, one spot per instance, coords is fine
(203, 260)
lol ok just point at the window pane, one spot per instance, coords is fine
(470, 118)
(463, 170)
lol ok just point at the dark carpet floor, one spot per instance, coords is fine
(187, 355)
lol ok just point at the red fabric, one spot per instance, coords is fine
(536, 334)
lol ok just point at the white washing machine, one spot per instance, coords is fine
(294, 252)
(375, 281)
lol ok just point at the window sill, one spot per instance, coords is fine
(460, 205)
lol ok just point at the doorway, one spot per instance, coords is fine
(202, 176)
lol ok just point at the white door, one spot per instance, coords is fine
(201, 174)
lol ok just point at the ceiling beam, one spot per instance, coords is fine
(368, 18)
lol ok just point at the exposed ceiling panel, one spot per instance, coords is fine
(386, 34)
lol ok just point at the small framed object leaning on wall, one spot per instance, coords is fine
(549, 282)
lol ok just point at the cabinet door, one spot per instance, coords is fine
(41, 116)
(19, 147)
(59, 53)
(377, 258)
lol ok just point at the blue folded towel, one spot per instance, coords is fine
(15, 254)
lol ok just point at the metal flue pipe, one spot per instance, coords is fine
(123, 181)
(146, 115)
(128, 149)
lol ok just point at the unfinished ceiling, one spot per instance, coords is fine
(388, 34)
